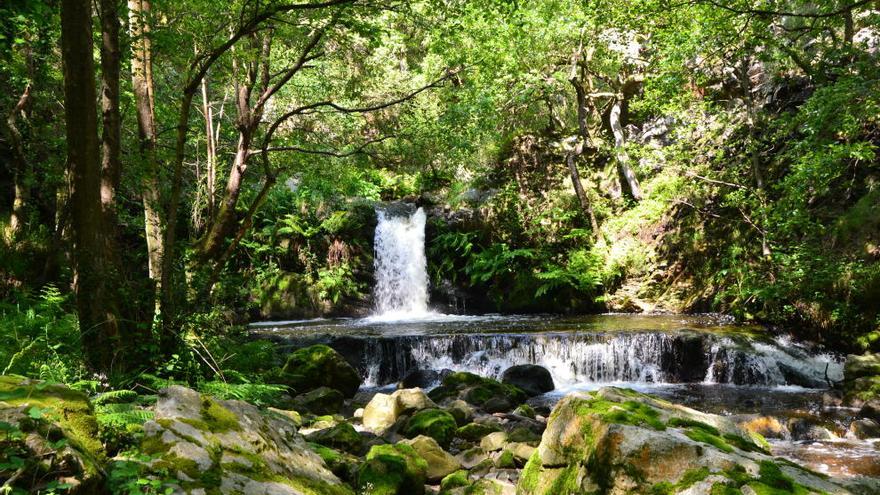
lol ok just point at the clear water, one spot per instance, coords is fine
(704, 361)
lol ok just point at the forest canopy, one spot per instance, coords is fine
(174, 168)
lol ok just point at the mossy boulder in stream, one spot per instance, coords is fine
(435, 423)
(320, 366)
(230, 446)
(861, 376)
(488, 394)
(392, 470)
(48, 435)
(620, 441)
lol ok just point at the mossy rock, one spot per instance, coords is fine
(343, 436)
(320, 401)
(473, 432)
(455, 480)
(341, 464)
(479, 391)
(53, 430)
(392, 470)
(435, 423)
(320, 366)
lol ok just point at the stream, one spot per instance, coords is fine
(705, 362)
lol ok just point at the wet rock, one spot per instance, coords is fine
(51, 431)
(620, 441)
(490, 486)
(461, 411)
(321, 401)
(471, 457)
(230, 446)
(804, 429)
(864, 429)
(342, 436)
(435, 423)
(392, 470)
(497, 404)
(794, 376)
(458, 479)
(420, 378)
(858, 366)
(477, 391)
(473, 432)
(530, 378)
(320, 366)
(766, 426)
(870, 410)
(440, 462)
(384, 410)
(525, 411)
(493, 441)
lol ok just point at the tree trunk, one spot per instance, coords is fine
(142, 83)
(225, 221)
(570, 159)
(20, 168)
(96, 308)
(628, 180)
(111, 133)
(210, 149)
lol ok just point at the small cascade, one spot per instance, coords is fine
(401, 290)
(579, 358)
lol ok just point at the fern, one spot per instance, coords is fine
(115, 397)
(258, 394)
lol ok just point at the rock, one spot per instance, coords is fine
(35, 417)
(620, 441)
(859, 366)
(520, 451)
(488, 486)
(383, 410)
(342, 436)
(461, 411)
(420, 379)
(320, 366)
(475, 431)
(471, 457)
(440, 462)
(794, 376)
(291, 415)
(766, 426)
(454, 480)
(320, 401)
(870, 410)
(530, 378)
(493, 441)
(230, 446)
(525, 411)
(435, 423)
(497, 404)
(477, 391)
(806, 429)
(341, 464)
(392, 470)
(864, 429)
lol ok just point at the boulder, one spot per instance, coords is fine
(530, 378)
(462, 412)
(474, 432)
(458, 479)
(383, 410)
(805, 429)
(859, 366)
(320, 401)
(477, 391)
(392, 470)
(493, 441)
(435, 423)
(864, 429)
(320, 366)
(610, 441)
(440, 462)
(50, 436)
(230, 446)
(420, 379)
(342, 436)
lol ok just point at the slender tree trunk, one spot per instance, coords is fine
(570, 159)
(225, 220)
(210, 149)
(142, 83)
(96, 308)
(20, 166)
(111, 133)
(628, 178)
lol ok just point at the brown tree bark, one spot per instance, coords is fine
(111, 133)
(20, 166)
(142, 83)
(96, 306)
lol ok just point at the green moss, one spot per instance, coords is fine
(770, 481)
(528, 478)
(217, 418)
(505, 460)
(475, 431)
(690, 423)
(703, 436)
(687, 480)
(744, 444)
(319, 365)
(525, 410)
(392, 470)
(342, 436)
(435, 423)
(630, 412)
(68, 408)
(475, 389)
(523, 435)
(454, 480)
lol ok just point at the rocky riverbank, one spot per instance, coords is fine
(469, 435)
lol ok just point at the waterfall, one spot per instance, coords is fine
(401, 291)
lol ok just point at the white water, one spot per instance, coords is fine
(401, 291)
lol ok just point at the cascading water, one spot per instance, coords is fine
(401, 291)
